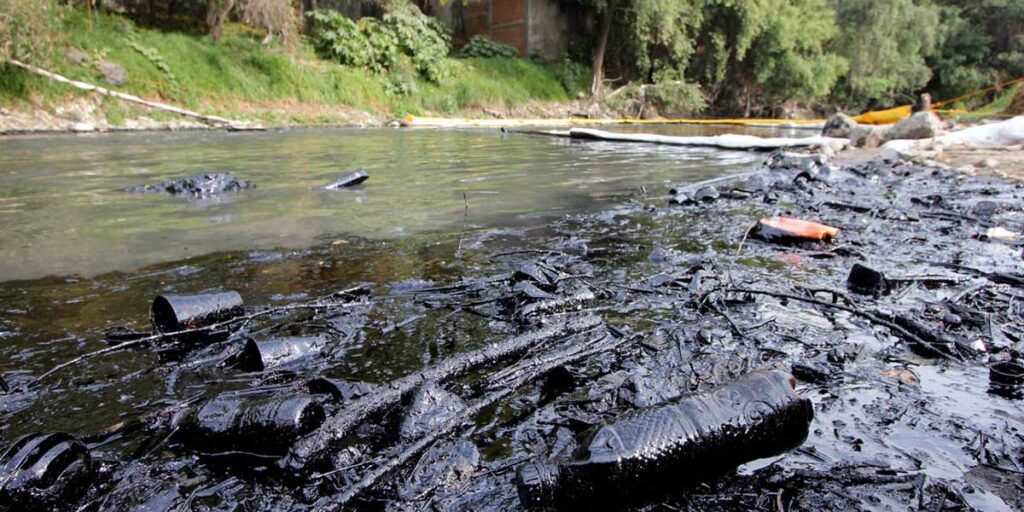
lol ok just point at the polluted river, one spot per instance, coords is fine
(502, 321)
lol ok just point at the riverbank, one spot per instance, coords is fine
(241, 78)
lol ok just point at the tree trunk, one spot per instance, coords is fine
(602, 45)
(216, 13)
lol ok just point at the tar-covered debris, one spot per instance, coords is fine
(643, 357)
(199, 185)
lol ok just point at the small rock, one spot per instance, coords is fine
(76, 56)
(988, 163)
(431, 407)
(841, 354)
(83, 127)
(839, 126)
(903, 375)
(952, 319)
(985, 209)
(814, 372)
(446, 466)
(755, 183)
(683, 198)
(113, 73)
(706, 194)
(922, 125)
(867, 136)
(831, 148)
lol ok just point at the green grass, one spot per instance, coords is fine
(238, 76)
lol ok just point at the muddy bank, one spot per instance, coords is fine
(508, 349)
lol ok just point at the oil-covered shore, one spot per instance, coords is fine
(351, 380)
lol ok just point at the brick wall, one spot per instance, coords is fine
(501, 20)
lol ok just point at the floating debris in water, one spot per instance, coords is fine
(349, 180)
(199, 185)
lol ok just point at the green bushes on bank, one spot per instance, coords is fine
(241, 77)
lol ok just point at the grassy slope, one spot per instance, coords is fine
(241, 77)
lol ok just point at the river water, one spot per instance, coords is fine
(62, 211)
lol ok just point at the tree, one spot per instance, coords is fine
(277, 17)
(597, 65)
(763, 52)
(217, 12)
(655, 38)
(886, 43)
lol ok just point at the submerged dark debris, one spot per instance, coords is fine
(199, 185)
(905, 333)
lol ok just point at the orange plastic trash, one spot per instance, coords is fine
(786, 228)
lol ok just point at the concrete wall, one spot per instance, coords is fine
(549, 30)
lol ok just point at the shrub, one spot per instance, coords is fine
(574, 76)
(483, 46)
(27, 28)
(379, 45)
(669, 98)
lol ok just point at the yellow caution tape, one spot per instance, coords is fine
(876, 117)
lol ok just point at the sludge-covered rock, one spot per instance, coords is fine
(199, 185)
(172, 313)
(540, 276)
(44, 470)
(814, 372)
(261, 425)
(430, 408)
(339, 390)
(705, 194)
(653, 450)
(446, 466)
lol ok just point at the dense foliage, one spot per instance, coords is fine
(886, 44)
(755, 55)
(27, 28)
(483, 46)
(404, 37)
